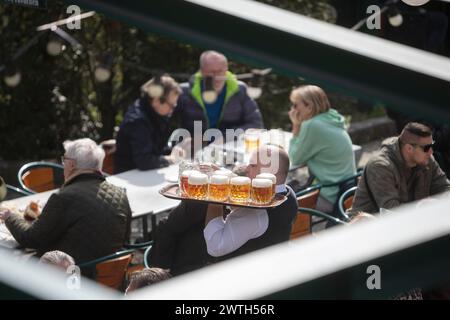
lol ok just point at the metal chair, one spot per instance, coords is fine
(40, 176)
(302, 224)
(146, 254)
(346, 201)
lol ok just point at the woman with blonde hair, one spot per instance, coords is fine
(321, 141)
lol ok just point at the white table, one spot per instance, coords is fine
(237, 148)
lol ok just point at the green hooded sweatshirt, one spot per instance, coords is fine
(325, 146)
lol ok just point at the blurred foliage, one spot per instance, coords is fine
(59, 98)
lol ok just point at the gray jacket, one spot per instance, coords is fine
(392, 183)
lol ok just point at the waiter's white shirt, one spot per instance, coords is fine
(242, 224)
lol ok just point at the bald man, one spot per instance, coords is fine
(245, 230)
(229, 108)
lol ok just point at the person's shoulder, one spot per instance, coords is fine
(134, 113)
(380, 161)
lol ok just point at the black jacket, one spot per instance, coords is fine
(179, 244)
(87, 219)
(142, 139)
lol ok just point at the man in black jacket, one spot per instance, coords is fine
(88, 218)
(144, 132)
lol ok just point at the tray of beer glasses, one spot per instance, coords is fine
(226, 190)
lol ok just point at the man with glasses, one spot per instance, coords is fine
(216, 98)
(87, 218)
(404, 171)
(143, 135)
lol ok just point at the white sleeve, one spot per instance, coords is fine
(242, 224)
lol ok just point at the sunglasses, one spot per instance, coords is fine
(425, 147)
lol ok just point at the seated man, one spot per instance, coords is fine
(404, 171)
(88, 218)
(143, 135)
(230, 108)
(245, 230)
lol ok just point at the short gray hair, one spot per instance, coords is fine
(57, 258)
(86, 153)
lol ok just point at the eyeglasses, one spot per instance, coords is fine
(425, 147)
(64, 158)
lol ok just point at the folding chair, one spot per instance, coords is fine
(40, 176)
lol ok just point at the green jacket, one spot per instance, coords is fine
(392, 183)
(87, 219)
(326, 148)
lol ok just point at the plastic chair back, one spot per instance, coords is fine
(111, 273)
(109, 146)
(40, 176)
(302, 225)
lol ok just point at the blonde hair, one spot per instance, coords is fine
(313, 96)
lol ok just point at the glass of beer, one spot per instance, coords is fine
(262, 191)
(240, 189)
(251, 139)
(184, 180)
(271, 177)
(197, 187)
(219, 188)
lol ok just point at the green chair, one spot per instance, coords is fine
(40, 176)
(146, 255)
(346, 201)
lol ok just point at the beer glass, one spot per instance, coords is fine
(197, 187)
(262, 191)
(240, 189)
(251, 139)
(219, 188)
(271, 177)
(184, 180)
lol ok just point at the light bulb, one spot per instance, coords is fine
(54, 47)
(396, 21)
(209, 96)
(155, 90)
(102, 74)
(254, 92)
(13, 80)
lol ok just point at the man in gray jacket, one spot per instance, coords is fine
(216, 98)
(404, 171)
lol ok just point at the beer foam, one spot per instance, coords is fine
(224, 172)
(198, 178)
(267, 175)
(219, 179)
(239, 181)
(262, 183)
(187, 173)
